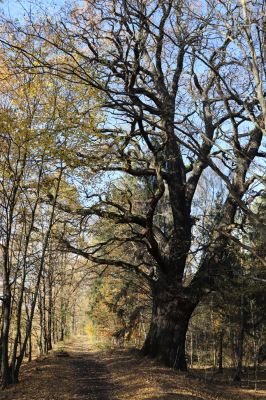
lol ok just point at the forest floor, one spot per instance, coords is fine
(79, 372)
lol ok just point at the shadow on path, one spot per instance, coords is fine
(91, 379)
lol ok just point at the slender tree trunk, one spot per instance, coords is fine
(45, 342)
(55, 330)
(73, 329)
(19, 305)
(63, 321)
(17, 340)
(220, 351)
(167, 335)
(197, 348)
(191, 349)
(41, 348)
(5, 371)
(6, 316)
(50, 317)
(213, 339)
(30, 349)
(240, 349)
(62, 334)
(38, 282)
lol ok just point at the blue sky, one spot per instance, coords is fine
(19, 8)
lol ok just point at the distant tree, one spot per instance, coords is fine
(121, 299)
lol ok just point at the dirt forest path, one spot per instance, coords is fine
(71, 373)
(81, 373)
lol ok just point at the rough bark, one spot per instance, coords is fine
(167, 335)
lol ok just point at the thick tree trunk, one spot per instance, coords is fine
(167, 335)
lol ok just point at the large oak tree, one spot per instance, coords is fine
(183, 91)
